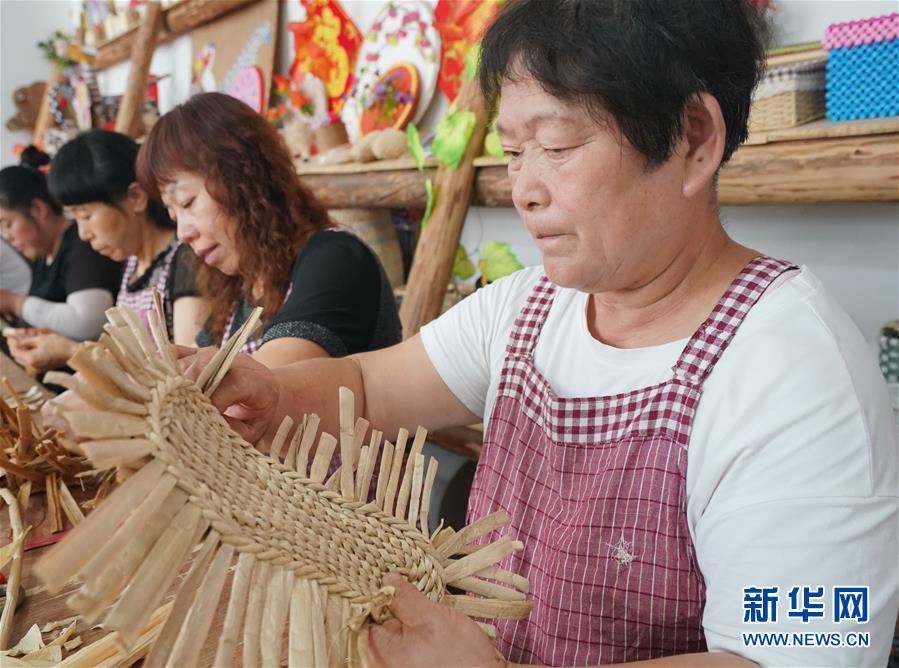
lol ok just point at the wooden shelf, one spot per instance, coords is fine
(852, 161)
(178, 19)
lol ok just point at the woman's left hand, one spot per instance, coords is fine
(423, 633)
(11, 303)
(42, 351)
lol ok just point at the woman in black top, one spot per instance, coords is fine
(93, 177)
(72, 285)
(262, 239)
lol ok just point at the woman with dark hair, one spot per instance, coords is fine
(690, 438)
(262, 239)
(93, 177)
(72, 285)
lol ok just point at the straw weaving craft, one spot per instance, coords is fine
(283, 551)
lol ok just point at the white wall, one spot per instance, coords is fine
(853, 248)
(24, 23)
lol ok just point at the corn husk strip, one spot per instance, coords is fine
(363, 480)
(319, 634)
(399, 452)
(489, 629)
(15, 571)
(335, 630)
(384, 475)
(196, 627)
(64, 560)
(162, 649)
(472, 532)
(274, 615)
(54, 509)
(154, 576)
(100, 361)
(234, 616)
(417, 482)
(309, 433)
(347, 436)
(96, 397)
(218, 366)
(478, 607)
(112, 452)
(69, 505)
(323, 454)
(112, 566)
(290, 459)
(106, 649)
(300, 649)
(486, 556)
(480, 587)
(360, 472)
(426, 497)
(418, 444)
(360, 429)
(253, 623)
(507, 577)
(280, 437)
(161, 338)
(105, 424)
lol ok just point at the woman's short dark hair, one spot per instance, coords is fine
(21, 184)
(640, 61)
(99, 166)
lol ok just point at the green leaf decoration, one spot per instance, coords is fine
(452, 136)
(498, 260)
(429, 205)
(492, 144)
(413, 142)
(462, 266)
(472, 60)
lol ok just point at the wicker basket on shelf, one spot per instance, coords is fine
(788, 96)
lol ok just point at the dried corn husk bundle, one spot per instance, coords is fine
(288, 553)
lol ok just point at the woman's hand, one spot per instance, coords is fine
(10, 302)
(247, 396)
(423, 633)
(42, 350)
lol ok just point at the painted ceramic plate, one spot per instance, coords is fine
(391, 101)
(402, 33)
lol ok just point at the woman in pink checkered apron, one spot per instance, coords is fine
(93, 177)
(674, 423)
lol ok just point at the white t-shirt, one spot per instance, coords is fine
(15, 272)
(792, 476)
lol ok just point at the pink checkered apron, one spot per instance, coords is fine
(595, 488)
(142, 300)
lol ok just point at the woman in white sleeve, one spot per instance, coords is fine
(72, 285)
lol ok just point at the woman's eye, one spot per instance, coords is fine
(512, 155)
(187, 204)
(556, 152)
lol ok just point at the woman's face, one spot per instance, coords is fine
(202, 223)
(111, 231)
(597, 215)
(23, 233)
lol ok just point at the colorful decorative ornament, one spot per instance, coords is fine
(392, 100)
(325, 45)
(402, 33)
(461, 24)
(249, 86)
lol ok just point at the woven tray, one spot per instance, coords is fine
(310, 553)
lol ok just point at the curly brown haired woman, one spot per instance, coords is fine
(261, 238)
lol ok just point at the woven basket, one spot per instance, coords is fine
(311, 553)
(786, 110)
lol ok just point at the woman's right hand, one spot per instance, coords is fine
(248, 395)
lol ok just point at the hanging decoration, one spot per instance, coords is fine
(325, 46)
(403, 33)
(461, 24)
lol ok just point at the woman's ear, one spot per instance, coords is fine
(40, 210)
(704, 134)
(137, 198)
